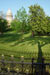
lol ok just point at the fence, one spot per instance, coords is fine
(22, 67)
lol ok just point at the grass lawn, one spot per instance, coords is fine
(24, 45)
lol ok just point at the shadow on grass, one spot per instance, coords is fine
(7, 38)
(40, 69)
(34, 40)
(19, 39)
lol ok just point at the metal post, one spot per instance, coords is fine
(22, 60)
(43, 67)
(12, 64)
(32, 65)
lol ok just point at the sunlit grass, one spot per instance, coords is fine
(23, 44)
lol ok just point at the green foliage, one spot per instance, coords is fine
(37, 19)
(16, 25)
(21, 14)
(48, 24)
(3, 25)
(22, 17)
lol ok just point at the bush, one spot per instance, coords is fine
(3, 25)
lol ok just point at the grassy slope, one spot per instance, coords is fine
(18, 44)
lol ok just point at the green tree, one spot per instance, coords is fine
(48, 24)
(3, 25)
(22, 17)
(37, 19)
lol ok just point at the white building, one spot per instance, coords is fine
(9, 16)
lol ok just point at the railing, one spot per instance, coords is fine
(23, 67)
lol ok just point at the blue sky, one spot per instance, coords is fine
(15, 5)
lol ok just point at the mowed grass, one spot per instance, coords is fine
(18, 44)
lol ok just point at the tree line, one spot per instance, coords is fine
(35, 21)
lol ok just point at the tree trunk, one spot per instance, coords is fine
(32, 33)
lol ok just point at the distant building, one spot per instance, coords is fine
(9, 16)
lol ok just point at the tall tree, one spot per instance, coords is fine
(37, 19)
(22, 17)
